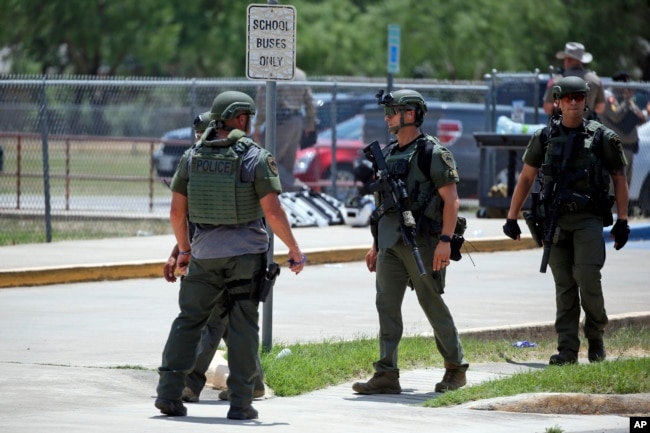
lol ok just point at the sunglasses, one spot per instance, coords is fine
(578, 97)
(391, 111)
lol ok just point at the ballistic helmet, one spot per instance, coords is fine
(201, 122)
(230, 104)
(569, 85)
(408, 98)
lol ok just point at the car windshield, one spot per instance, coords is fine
(350, 129)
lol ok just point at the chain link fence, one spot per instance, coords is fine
(89, 157)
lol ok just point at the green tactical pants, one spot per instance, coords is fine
(576, 262)
(201, 291)
(211, 336)
(395, 266)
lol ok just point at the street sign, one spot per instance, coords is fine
(393, 48)
(271, 47)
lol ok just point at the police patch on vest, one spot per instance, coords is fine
(616, 142)
(270, 162)
(214, 166)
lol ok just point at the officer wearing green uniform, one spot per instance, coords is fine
(428, 171)
(577, 158)
(228, 187)
(215, 329)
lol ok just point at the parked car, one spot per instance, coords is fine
(314, 164)
(170, 149)
(348, 104)
(640, 181)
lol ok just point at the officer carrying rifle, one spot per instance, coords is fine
(575, 159)
(413, 228)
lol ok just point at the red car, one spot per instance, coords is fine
(314, 164)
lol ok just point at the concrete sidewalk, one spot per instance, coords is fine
(61, 344)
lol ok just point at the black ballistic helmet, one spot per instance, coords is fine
(568, 85)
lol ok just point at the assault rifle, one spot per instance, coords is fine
(560, 196)
(394, 195)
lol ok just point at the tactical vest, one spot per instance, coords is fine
(216, 193)
(422, 197)
(590, 178)
(416, 176)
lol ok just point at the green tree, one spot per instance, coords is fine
(212, 41)
(90, 37)
(443, 39)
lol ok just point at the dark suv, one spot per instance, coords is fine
(170, 149)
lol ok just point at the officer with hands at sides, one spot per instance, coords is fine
(428, 172)
(576, 159)
(227, 186)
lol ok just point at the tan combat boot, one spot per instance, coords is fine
(454, 378)
(385, 382)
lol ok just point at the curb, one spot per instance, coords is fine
(533, 331)
(153, 269)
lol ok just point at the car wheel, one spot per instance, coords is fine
(344, 174)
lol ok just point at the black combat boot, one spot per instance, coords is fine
(171, 407)
(563, 358)
(242, 413)
(596, 351)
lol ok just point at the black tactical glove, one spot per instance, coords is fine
(621, 233)
(511, 228)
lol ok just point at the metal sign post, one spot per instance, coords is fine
(270, 56)
(394, 36)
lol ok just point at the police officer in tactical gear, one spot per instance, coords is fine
(215, 329)
(577, 158)
(428, 171)
(228, 187)
(574, 58)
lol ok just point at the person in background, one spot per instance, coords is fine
(216, 327)
(623, 117)
(291, 124)
(227, 186)
(577, 158)
(574, 58)
(427, 171)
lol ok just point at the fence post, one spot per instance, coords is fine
(334, 169)
(67, 174)
(46, 163)
(19, 162)
(152, 176)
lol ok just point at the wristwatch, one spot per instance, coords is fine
(445, 238)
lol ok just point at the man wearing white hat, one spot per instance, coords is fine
(574, 58)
